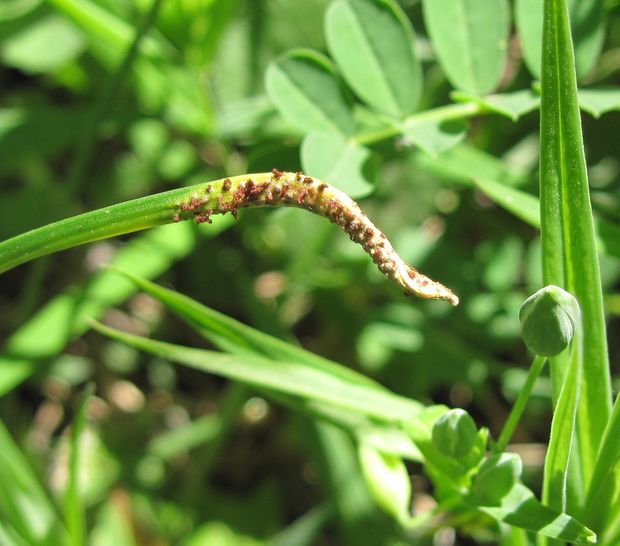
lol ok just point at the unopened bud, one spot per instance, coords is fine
(454, 433)
(548, 320)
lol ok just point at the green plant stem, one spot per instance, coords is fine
(520, 403)
(443, 113)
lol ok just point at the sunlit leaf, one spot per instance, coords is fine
(304, 87)
(470, 38)
(372, 42)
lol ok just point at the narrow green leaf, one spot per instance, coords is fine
(522, 204)
(235, 337)
(290, 378)
(372, 42)
(333, 158)
(562, 434)
(23, 501)
(470, 38)
(588, 30)
(232, 336)
(598, 101)
(568, 242)
(521, 508)
(304, 87)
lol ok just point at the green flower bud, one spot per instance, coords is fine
(496, 477)
(454, 433)
(548, 320)
(388, 481)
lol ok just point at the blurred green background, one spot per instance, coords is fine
(106, 100)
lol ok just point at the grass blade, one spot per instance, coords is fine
(292, 378)
(568, 241)
(202, 201)
(235, 337)
(562, 436)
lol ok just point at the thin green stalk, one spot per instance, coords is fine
(520, 403)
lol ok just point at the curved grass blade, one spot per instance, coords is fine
(562, 434)
(291, 378)
(235, 337)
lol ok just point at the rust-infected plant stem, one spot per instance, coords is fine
(298, 190)
(200, 202)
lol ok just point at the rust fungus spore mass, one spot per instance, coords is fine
(288, 189)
